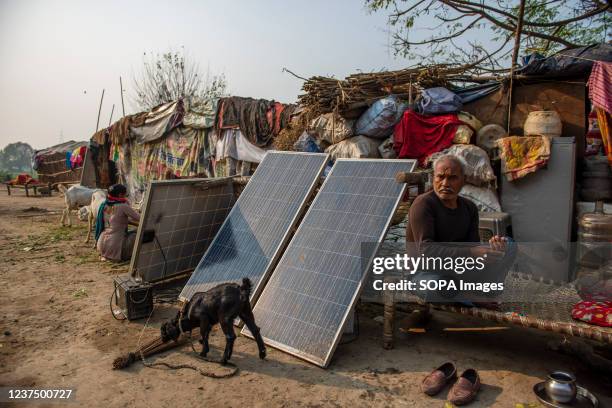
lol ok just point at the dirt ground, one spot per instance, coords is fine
(56, 331)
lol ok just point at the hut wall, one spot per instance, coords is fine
(567, 98)
(53, 170)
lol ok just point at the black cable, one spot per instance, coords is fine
(168, 296)
(161, 250)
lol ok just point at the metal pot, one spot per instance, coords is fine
(561, 387)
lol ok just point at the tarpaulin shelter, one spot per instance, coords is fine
(62, 163)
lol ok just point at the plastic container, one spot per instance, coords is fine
(595, 238)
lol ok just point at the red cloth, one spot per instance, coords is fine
(597, 313)
(278, 109)
(600, 83)
(22, 179)
(417, 136)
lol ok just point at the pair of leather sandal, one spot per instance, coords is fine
(464, 389)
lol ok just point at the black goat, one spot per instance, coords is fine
(221, 304)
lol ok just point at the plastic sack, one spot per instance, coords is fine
(478, 170)
(487, 137)
(436, 101)
(354, 148)
(485, 198)
(464, 133)
(331, 128)
(386, 149)
(306, 143)
(380, 118)
(470, 120)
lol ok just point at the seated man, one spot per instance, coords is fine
(440, 218)
(113, 240)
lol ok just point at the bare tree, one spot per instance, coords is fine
(169, 76)
(548, 26)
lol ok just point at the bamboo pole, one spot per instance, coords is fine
(99, 111)
(515, 51)
(111, 116)
(122, 105)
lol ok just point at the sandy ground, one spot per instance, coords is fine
(58, 332)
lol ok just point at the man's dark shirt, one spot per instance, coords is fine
(430, 221)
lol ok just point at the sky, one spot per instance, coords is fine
(57, 56)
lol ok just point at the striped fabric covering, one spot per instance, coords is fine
(600, 83)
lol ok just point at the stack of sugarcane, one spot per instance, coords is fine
(323, 95)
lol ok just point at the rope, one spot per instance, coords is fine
(208, 374)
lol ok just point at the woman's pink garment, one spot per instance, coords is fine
(113, 239)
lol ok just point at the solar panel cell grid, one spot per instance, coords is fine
(185, 215)
(255, 230)
(307, 300)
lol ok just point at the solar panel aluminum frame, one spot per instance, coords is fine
(256, 291)
(305, 356)
(147, 204)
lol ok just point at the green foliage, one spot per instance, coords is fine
(15, 158)
(459, 26)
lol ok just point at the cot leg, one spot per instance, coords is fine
(389, 322)
(27, 191)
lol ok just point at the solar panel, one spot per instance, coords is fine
(179, 220)
(306, 302)
(260, 222)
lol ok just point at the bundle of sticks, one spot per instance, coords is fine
(148, 349)
(157, 345)
(323, 95)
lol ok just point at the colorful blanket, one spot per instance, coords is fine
(597, 313)
(522, 155)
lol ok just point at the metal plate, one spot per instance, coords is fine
(306, 302)
(185, 215)
(257, 228)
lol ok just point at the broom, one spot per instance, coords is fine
(157, 345)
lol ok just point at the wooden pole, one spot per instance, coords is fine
(517, 37)
(99, 111)
(122, 105)
(515, 51)
(111, 116)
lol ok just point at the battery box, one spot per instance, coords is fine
(133, 299)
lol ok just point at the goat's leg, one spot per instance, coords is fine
(227, 325)
(205, 327)
(89, 225)
(246, 315)
(63, 217)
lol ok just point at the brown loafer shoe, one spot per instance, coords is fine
(465, 389)
(438, 378)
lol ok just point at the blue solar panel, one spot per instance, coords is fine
(307, 300)
(256, 229)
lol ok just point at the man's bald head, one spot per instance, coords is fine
(450, 159)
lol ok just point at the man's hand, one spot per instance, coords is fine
(490, 253)
(498, 243)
